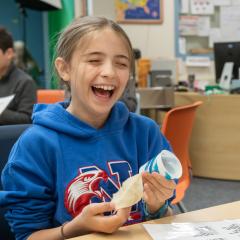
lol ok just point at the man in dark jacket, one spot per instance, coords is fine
(14, 81)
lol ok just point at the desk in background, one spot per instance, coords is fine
(215, 141)
(156, 99)
(137, 231)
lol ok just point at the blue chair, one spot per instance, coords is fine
(8, 136)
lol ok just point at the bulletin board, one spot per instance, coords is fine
(200, 23)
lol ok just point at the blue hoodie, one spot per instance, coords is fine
(61, 164)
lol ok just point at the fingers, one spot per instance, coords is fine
(151, 194)
(93, 213)
(156, 194)
(153, 200)
(124, 212)
(148, 194)
(158, 181)
(157, 190)
(116, 221)
(111, 223)
(159, 185)
(99, 208)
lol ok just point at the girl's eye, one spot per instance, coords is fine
(124, 65)
(94, 60)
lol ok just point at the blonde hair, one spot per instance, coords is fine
(69, 38)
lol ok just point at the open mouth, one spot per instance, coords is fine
(104, 91)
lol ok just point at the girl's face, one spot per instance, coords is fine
(98, 73)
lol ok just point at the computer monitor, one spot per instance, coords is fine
(226, 52)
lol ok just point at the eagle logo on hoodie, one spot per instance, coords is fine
(82, 188)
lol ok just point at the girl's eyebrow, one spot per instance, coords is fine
(102, 54)
(123, 56)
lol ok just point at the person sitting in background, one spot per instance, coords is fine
(14, 81)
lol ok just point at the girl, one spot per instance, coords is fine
(63, 170)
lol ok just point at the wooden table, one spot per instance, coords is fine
(215, 141)
(137, 231)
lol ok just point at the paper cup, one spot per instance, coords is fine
(165, 163)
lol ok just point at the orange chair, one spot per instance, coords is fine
(177, 128)
(50, 95)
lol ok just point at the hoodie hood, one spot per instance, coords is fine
(55, 117)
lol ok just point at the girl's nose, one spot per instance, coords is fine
(108, 69)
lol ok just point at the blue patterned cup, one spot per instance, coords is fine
(165, 163)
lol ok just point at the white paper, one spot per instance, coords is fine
(235, 2)
(229, 16)
(4, 101)
(203, 26)
(182, 45)
(215, 35)
(195, 61)
(184, 6)
(194, 25)
(204, 7)
(229, 23)
(222, 2)
(188, 25)
(219, 230)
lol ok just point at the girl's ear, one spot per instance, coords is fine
(62, 69)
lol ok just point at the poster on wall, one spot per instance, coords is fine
(203, 7)
(194, 25)
(139, 11)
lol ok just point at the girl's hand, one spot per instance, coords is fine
(92, 219)
(156, 190)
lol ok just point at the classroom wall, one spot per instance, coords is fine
(154, 40)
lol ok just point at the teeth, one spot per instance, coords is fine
(105, 87)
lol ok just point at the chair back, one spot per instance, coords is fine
(8, 136)
(50, 95)
(177, 128)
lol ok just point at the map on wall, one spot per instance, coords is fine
(139, 11)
